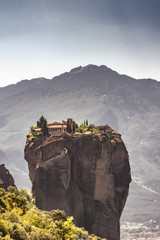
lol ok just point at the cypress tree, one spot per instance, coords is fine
(68, 126)
(42, 123)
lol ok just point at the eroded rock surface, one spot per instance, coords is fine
(88, 176)
(6, 178)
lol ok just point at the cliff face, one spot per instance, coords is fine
(6, 178)
(88, 176)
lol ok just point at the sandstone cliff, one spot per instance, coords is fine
(6, 178)
(88, 176)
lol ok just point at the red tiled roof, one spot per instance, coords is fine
(54, 123)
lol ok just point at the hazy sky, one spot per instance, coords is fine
(43, 38)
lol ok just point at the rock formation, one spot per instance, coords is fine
(87, 175)
(6, 178)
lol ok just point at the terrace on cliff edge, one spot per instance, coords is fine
(83, 170)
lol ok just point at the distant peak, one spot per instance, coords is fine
(89, 67)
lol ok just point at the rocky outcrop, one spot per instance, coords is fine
(86, 175)
(6, 178)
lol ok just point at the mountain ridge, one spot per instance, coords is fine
(75, 70)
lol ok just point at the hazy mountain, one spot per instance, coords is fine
(102, 96)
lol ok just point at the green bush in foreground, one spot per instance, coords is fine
(21, 220)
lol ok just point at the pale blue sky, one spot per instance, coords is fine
(44, 38)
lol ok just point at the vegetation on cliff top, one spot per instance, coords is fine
(43, 130)
(21, 220)
(40, 132)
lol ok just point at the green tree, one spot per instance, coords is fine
(68, 126)
(76, 125)
(91, 127)
(42, 123)
(74, 128)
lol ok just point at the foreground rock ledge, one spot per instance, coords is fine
(6, 178)
(88, 176)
